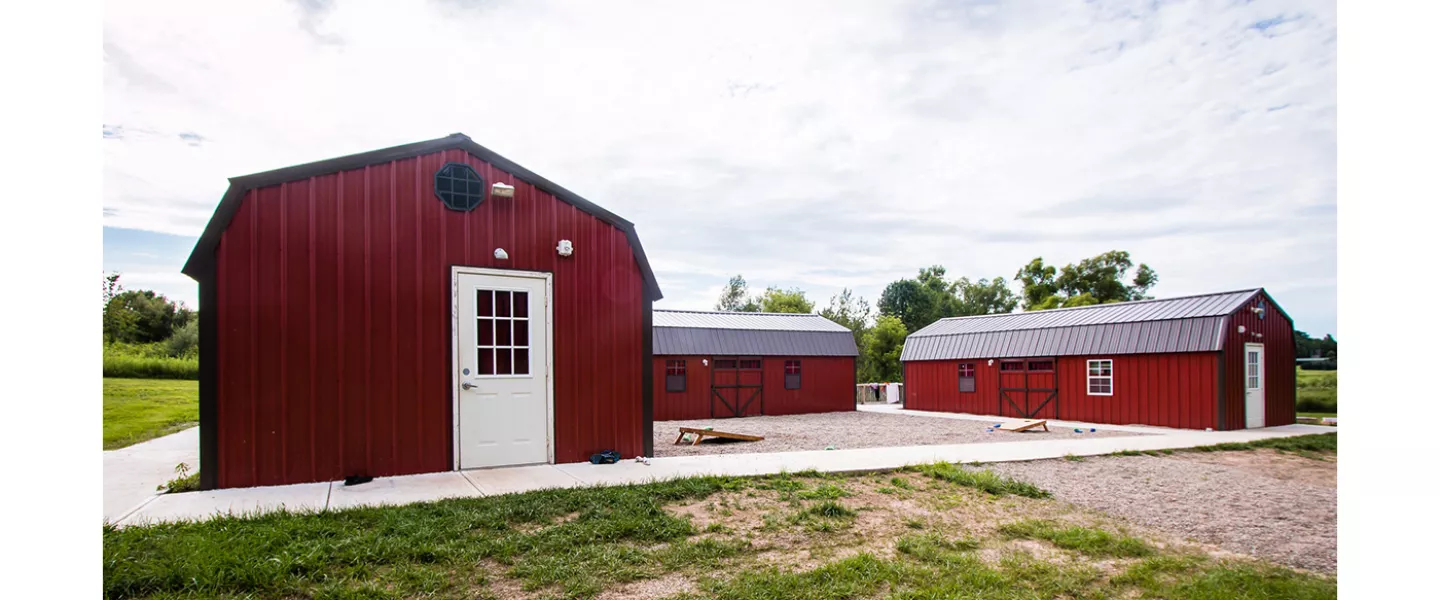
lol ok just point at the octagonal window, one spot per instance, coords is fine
(459, 187)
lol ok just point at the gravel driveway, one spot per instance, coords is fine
(1262, 503)
(855, 429)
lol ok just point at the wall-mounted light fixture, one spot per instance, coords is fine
(501, 254)
(565, 248)
(502, 190)
(1242, 329)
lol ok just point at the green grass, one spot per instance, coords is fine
(1316, 391)
(1087, 540)
(1312, 446)
(986, 481)
(1317, 415)
(147, 361)
(136, 410)
(577, 543)
(616, 534)
(1317, 445)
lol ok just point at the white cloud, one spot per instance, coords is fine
(801, 144)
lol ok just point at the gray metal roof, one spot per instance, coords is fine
(1185, 324)
(753, 334)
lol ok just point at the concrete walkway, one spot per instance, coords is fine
(896, 409)
(490, 482)
(132, 472)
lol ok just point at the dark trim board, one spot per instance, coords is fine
(202, 258)
(1220, 424)
(209, 379)
(647, 375)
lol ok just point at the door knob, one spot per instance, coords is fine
(467, 385)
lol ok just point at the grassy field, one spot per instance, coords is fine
(937, 531)
(1316, 392)
(140, 409)
(147, 361)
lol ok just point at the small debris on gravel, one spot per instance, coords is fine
(847, 430)
(1229, 499)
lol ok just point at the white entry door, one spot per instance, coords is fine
(1254, 385)
(502, 361)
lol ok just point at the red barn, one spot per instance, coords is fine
(421, 308)
(736, 364)
(1221, 361)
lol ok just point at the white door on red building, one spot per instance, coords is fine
(503, 409)
(1254, 385)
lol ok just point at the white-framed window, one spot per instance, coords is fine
(1100, 377)
(1252, 369)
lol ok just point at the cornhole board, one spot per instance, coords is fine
(703, 433)
(1023, 425)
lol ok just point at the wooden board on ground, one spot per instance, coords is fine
(701, 434)
(1023, 425)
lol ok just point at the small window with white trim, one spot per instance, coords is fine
(792, 374)
(1100, 379)
(674, 375)
(967, 377)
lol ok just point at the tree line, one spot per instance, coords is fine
(908, 305)
(147, 322)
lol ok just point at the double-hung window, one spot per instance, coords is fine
(1101, 377)
(792, 374)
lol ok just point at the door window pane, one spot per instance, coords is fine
(522, 333)
(486, 361)
(522, 304)
(522, 361)
(502, 332)
(484, 303)
(502, 362)
(502, 304)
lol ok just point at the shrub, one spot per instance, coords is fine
(148, 361)
(1324, 365)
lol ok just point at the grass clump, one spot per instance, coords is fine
(986, 480)
(828, 491)
(1086, 540)
(184, 482)
(1310, 446)
(136, 410)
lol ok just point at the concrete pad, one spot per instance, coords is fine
(1054, 423)
(402, 490)
(192, 506)
(132, 473)
(508, 480)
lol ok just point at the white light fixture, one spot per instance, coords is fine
(565, 248)
(1242, 329)
(990, 362)
(502, 190)
(705, 362)
(501, 254)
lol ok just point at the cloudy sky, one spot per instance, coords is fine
(819, 145)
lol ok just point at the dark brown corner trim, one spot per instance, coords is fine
(202, 257)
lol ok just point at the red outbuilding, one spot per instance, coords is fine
(1220, 361)
(738, 364)
(421, 308)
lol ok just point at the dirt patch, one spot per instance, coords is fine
(1272, 464)
(854, 429)
(668, 585)
(1262, 504)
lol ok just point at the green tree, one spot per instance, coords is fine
(1099, 279)
(984, 297)
(793, 300)
(854, 314)
(139, 317)
(735, 297)
(881, 350)
(929, 297)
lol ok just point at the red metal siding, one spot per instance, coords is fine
(1277, 334)
(827, 384)
(694, 402)
(1171, 390)
(333, 295)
